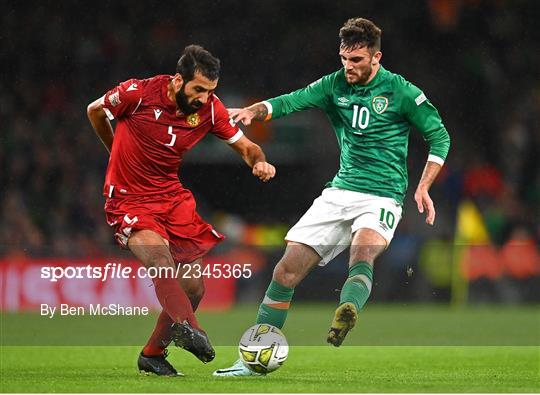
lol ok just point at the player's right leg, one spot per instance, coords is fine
(156, 364)
(153, 251)
(292, 268)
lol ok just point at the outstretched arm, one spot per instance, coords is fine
(100, 123)
(255, 158)
(421, 196)
(316, 95)
(257, 111)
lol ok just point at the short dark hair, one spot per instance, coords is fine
(360, 32)
(196, 58)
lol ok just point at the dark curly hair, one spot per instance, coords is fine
(360, 32)
(196, 58)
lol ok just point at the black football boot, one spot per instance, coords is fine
(193, 340)
(157, 365)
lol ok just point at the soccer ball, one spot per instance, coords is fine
(263, 348)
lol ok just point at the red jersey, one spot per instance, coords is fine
(150, 138)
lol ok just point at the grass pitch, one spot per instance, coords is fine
(308, 369)
(392, 349)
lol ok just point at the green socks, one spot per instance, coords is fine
(357, 288)
(275, 305)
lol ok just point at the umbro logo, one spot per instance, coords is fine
(157, 113)
(132, 87)
(343, 101)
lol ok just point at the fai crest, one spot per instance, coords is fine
(193, 119)
(379, 104)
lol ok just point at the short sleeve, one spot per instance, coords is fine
(123, 100)
(223, 126)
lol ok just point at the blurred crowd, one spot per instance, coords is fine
(478, 61)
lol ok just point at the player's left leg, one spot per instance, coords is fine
(376, 219)
(366, 246)
(190, 238)
(193, 286)
(162, 335)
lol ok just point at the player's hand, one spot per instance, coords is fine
(244, 115)
(264, 170)
(424, 202)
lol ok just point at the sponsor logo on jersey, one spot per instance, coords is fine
(379, 104)
(114, 99)
(193, 119)
(157, 113)
(132, 87)
(343, 101)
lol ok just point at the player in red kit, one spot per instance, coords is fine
(157, 120)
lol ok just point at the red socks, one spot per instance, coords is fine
(160, 338)
(174, 301)
(176, 308)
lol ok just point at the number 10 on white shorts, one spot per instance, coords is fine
(334, 216)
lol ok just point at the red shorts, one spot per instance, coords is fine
(172, 215)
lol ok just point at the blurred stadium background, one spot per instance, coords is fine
(478, 61)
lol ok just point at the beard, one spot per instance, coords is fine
(361, 78)
(183, 103)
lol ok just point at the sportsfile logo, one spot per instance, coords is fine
(108, 272)
(113, 271)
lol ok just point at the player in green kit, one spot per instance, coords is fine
(372, 111)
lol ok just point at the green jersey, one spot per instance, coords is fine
(372, 124)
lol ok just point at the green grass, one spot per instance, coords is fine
(413, 348)
(309, 369)
(379, 325)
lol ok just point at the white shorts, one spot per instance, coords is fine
(334, 216)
